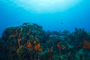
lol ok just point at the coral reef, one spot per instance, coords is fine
(30, 42)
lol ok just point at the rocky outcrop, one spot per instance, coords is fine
(30, 42)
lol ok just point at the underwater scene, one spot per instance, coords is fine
(44, 29)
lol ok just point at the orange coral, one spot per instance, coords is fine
(40, 49)
(37, 47)
(19, 41)
(34, 42)
(86, 44)
(29, 44)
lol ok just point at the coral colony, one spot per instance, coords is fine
(30, 42)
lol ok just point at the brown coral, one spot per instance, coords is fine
(86, 44)
(13, 35)
(29, 32)
(20, 32)
(18, 50)
(69, 54)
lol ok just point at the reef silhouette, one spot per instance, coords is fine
(30, 42)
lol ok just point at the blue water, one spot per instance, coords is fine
(76, 16)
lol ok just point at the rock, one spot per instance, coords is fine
(30, 42)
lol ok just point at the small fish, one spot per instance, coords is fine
(61, 22)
